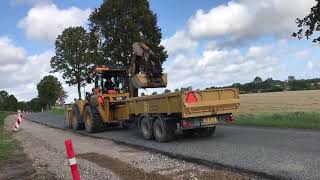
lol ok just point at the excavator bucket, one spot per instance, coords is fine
(142, 81)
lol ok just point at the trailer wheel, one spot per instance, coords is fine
(146, 128)
(76, 125)
(206, 132)
(163, 130)
(92, 120)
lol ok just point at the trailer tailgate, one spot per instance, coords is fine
(210, 102)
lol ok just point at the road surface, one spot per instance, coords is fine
(269, 152)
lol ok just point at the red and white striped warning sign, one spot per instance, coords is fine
(18, 122)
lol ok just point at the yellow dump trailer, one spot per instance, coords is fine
(161, 116)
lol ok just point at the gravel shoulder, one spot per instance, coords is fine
(17, 165)
(104, 159)
(266, 152)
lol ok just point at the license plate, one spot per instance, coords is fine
(210, 120)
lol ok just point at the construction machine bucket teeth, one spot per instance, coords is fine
(142, 81)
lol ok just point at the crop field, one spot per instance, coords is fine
(290, 101)
(292, 109)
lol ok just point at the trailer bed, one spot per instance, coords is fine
(187, 104)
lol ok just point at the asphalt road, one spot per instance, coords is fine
(280, 153)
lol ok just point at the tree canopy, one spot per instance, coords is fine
(309, 24)
(257, 80)
(35, 104)
(8, 102)
(72, 57)
(50, 90)
(3, 96)
(117, 24)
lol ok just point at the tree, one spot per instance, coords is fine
(23, 106)
(35, 104)
(10, 103)
(117, 24)
(154, 93)
(72, 57)
(49, 90)
(167, 91)
(257, 80)
(309, 24)
(183, 89)
(176, 90)
(3, 96)
(291, 78)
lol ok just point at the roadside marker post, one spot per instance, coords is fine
(18, 122)
(72, 160)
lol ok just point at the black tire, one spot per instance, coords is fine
(206, 132)
(163, 130)
(92, 120)
(76, 121)
(67, 120)
(146, 127)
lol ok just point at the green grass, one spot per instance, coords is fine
(7, 144)
(56, 110)
(300, 120)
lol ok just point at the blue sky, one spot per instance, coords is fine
(210, 43)
(169, 20)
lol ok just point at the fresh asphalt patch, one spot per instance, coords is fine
(268, 152)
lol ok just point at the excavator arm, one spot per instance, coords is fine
(144, 70)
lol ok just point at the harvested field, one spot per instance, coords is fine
(289, 101)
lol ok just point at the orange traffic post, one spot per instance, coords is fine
(72, 160)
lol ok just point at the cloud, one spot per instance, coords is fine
(9, 53)
(236, 22)
(46, 22)
(249, 19)
(224, 67)
(179, 41)
(227, 44)
(221, 20)
(20, 73)
(303, 54)
(259, 51)
(310, 65)
(35, 67)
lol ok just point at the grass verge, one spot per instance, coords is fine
(299, 120)
(7, 144)
(56, 110)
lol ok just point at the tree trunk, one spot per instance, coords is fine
(79, 90)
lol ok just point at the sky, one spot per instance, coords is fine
(209, 43)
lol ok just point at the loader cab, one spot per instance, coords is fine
(103, 76)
